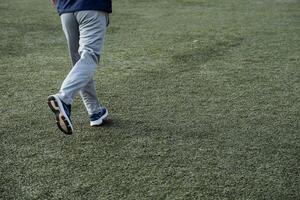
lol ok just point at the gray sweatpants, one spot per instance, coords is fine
(85, 31)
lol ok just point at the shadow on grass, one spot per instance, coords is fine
(131, 125)
(108, 123)
(117, 123)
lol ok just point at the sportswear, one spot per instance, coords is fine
(97, 119)
(70, 6)
(62, 113)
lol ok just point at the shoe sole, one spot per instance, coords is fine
(99, 121)
(62, 120)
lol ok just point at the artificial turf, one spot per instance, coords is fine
(203, 95)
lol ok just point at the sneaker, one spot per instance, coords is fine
(62, 112)
(97, 119)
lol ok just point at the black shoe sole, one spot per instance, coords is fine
(60, 119)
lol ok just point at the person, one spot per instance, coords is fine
(84, 23)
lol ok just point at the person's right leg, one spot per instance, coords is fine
(92, 28)
(89, 98)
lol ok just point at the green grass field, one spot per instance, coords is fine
(204, 101)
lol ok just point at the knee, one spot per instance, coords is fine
(90, 54)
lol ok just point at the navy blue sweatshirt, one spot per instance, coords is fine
(67, 6)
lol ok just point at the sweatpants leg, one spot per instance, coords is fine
(85, 31)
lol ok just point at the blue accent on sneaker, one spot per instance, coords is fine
(62, 113)
(97, 119)
(97, 116)
(67, 108)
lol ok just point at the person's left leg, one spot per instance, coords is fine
(62, 110)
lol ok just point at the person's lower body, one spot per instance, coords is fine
(85, 32)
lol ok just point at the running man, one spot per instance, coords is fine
(84, 23)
